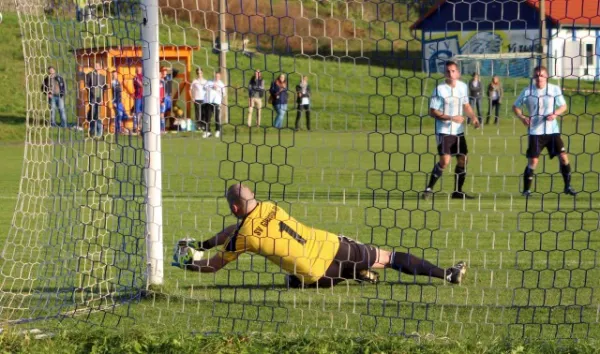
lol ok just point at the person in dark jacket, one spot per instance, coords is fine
(279, 98)
(96, 85)
(303, 102)
(54, 88)
(256, 91)
(495, 93)
(475, 94)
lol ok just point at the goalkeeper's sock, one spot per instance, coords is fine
(409, 264)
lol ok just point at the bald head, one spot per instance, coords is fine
(241, 199)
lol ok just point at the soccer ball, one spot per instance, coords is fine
(182, 248)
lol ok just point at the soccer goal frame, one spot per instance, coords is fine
(500, 64)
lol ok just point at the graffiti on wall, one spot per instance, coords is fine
(439, 48)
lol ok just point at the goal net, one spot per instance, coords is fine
(106, 193)
(504, 64)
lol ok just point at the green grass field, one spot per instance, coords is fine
(532, 264)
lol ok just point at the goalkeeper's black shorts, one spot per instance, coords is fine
(351, 258)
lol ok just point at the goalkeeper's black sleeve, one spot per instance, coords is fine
(205, 245)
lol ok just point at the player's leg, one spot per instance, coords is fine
(445, 143)
(460, 175)
(535, 146)
(557, 147)
(409, 264)
(460, 172)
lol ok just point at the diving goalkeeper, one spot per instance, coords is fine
(310, 256)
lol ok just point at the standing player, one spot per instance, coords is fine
(545, 103)
(449, 102)
(310, 256)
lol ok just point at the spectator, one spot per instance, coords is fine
(83, 11)
(279, 98)
(449, 102)
(475, 96)
(96, 85)
(198, 93)
(256, 92)
(215, 91)
(54, 88)
(495, 93)
(545, 103)
(165, 96)
(303, 102)
(138, 96)
(117, 101)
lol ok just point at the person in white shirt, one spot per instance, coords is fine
(545, 103)
(449, 102)
(198, 93)
(215, 91)
(303, 102)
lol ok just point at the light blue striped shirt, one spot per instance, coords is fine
(449, 100)
(541, 103)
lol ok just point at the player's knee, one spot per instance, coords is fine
(564, 158)
(443, 164)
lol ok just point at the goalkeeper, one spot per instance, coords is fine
(310, 256)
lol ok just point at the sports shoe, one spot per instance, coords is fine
(206, 135)
(570, 191)
(427, 194)
(218, 134)
(456, 273)
(526, 193)
(461, 195)
(368, 276)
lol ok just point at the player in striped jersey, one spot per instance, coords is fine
(545, 103)
(449, 103)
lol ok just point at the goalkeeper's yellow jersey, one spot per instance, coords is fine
(298, 249)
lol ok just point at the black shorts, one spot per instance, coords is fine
(451, 144)
(351, 258)
(552, 142)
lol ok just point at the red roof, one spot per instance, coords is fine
(564, 12)
(571, 12)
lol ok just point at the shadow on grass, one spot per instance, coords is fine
(12, 120)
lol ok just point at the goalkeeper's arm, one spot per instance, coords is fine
(211, 265)
(218, 239)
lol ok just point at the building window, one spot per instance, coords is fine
(589, 54)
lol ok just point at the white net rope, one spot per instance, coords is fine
(76, 247)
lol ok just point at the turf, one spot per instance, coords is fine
(532, 263)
